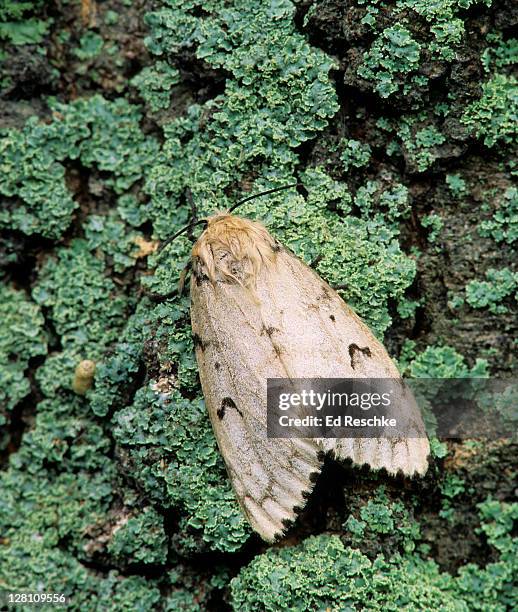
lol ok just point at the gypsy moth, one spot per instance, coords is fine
(259, 312)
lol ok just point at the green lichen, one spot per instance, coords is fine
(386, 204)
(442, 362)
(111, 17)
(321, 573)
(132, 210)
(415, 137)
(355, 153)
(57, 486)
(98, 132)
(494, 117)
(32, 183)
(154, 84)
(140, 539)
(451, 487)
(174, 458)
(503, 225)
(411, 36)
(500, 54)
(22, 337)
(387, 522)
(90, 46)
(20, 23)
(278, 95)
(445, 22)
(435, 223)
(60, 510)
(421, 147)
(495, 586)
(189, 594)
(85, 308)
(407, 308)
(392, 56)
(108, 236)
(498, 286)
(456, 184)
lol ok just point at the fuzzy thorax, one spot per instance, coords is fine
(232, 249)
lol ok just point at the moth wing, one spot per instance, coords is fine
(318, 336)
(271, 477)
(292, 325)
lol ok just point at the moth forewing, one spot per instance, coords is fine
(271, 478)
(259, 312)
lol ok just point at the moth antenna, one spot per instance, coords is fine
(261, 193)
(190, 226)
(194, 212)
(179, 233)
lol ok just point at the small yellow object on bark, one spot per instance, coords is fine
(146, 247)
(83, 376)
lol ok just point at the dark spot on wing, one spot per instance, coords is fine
(276, 247)
(217, 365)
(269, 331)
(199, 276)
(277, 349)
(332, 317)
(227, 402)
(199, 343)
(321, 299)
(354, 349)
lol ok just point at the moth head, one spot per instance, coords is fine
(233, 250)
(230, 249)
